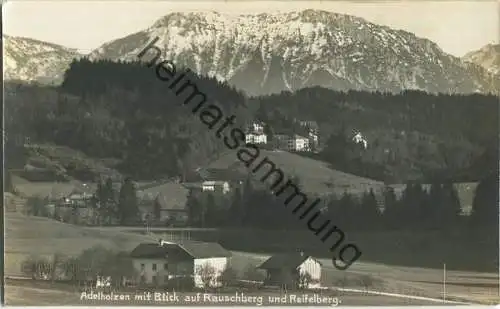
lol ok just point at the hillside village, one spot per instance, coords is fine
(167, 198)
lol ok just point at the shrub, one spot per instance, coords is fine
(36, 267)
(207, 275)
(368, 281)
(304, 280)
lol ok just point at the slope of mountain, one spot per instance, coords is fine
(268, 53)
(32, 60)
(487, 57)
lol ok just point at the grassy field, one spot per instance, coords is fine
(317, 177)
(429, 249)
(25, 236)
(64, 159)
(29, 293)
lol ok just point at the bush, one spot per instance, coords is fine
(207, 275)
(36, 267)
(366, 281)
(304, 280)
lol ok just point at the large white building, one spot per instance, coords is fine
(157, 263)
(256, 138)
(291, 142)
(255, 133)
(256, 127)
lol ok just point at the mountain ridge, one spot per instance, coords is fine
(33, 60)
(272, 52)
(488, 57)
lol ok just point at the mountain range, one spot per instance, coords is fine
(487, 57)
(27, 59)
(272, 52)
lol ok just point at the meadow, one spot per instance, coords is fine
(31, 236)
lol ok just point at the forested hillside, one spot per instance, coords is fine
(411, 136)
(117, 110)
(122, 111)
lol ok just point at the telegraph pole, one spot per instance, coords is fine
(444, 282)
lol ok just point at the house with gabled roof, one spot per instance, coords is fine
(158, 263)
(290, 270)
(171, 198)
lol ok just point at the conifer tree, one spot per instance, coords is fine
(369, 213)
(157, 209)
(347, 210)
(485, 203)
(391, 209)
(451, 207)
(128, 210)
(435, 203)
(193, 206)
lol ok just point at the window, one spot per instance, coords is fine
(154, 266)
(165, 280)
(165, 266)
(154, 280)
(143, 266)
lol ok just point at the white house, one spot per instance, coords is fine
(172, 198)
(358, 138)
(256, 127)
(301, 143)
(215, 185)
(292, 142)
(313, 138)
(157, 263)
(286, 270)
(256, 138)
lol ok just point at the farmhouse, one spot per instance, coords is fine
(171, 198)
(291, 142)
(158, 263)
(256, 138)
(291, 270)
(219, 186)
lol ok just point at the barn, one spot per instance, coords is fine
(160, 263)
(289, 270)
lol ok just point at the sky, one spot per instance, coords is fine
(456, 26)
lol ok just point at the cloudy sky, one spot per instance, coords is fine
(457, 26)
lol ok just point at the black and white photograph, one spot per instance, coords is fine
(251, 153)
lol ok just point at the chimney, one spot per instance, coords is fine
(301, 253)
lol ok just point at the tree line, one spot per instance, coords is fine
(416, 208)
(81, 270)
(252, 205)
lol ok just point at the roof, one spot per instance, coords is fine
(285, 261)
(45, 189)
(296, 136)
(170, 195)
(221, 174)
(202, 250)
(197, 250)
(154, 250)
(214, 182)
